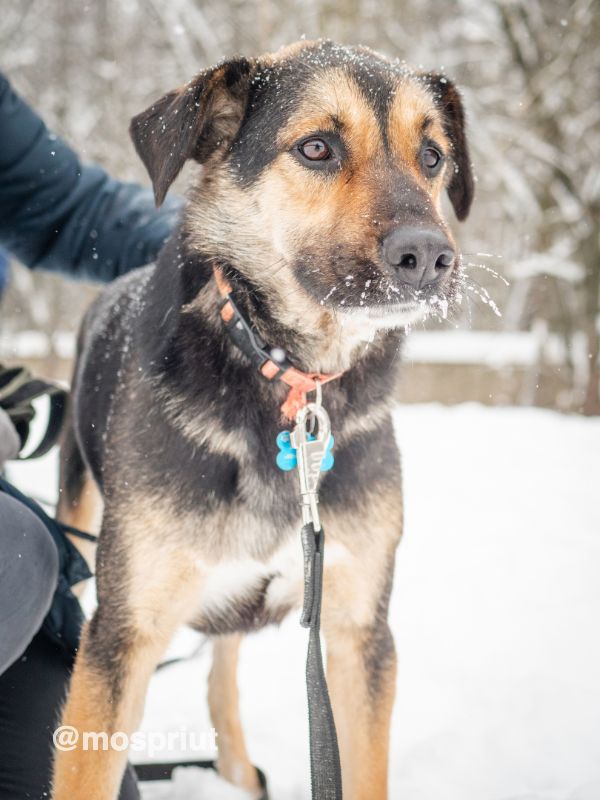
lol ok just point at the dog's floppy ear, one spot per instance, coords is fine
(461, 186)
(196, 121)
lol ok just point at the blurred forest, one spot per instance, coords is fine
(528, 70)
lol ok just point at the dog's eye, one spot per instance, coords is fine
(431, 158)
(315, 150)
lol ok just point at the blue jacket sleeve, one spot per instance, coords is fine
(56, 214)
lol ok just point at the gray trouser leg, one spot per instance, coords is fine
(28, 577)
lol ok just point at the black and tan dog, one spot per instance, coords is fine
(319, 204)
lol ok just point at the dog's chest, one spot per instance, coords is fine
(245, 593)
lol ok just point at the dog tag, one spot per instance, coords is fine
(287, 459)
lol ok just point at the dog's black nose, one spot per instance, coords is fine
(420, 256)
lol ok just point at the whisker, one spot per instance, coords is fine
(491, 271)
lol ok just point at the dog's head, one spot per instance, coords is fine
(324, 170)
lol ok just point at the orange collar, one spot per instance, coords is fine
(271, 362)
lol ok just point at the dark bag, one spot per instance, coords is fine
(64, 620)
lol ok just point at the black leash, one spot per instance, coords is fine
(325, 771)
(308, 447)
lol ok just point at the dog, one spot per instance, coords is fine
(318, 210)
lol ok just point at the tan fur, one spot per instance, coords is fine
(332, 348)
(93, 774)
(163, 586)
(90, 707)
(202, 428)
(349, 607)
(314, 207)
(165, 582)
(349, 586)
(410, 108)
(355, 425)
(223, 701)
(362, 721)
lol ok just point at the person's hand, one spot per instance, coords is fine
(10, 442)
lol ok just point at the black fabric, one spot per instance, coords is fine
(164, 772)
(58, 214)
(65, 618)
(32, 691)
(325, 771)
(18, 388)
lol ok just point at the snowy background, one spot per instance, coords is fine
(528, 71)
(496, 612)
(496, 607)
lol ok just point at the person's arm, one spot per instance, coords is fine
(58, 214)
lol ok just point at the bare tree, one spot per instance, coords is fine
(529, 74)
(554, 49)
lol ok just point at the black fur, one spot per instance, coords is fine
(155, 356)
(193, 122)
(461, 187)
(191, 359)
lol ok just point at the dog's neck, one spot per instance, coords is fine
(315, 339)
(186, 341)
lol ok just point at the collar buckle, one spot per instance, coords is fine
(271, 362)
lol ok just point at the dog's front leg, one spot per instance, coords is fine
(104, 705)
(361, 674)
(145, 591)
(361, 656)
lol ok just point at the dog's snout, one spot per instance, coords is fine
(420, 256)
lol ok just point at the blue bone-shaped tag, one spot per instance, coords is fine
(287, 459)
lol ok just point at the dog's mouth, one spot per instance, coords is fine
(365, 292)
(394, 306)
(387, 315)
(391, 311)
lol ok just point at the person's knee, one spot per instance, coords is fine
(28, 577)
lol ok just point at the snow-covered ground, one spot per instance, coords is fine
(496, 613)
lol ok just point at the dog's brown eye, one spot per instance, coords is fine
(431, 157)
(315, 150)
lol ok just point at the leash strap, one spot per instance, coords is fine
(89, 537)
(325, 771)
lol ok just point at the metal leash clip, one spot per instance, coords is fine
(311, 448)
